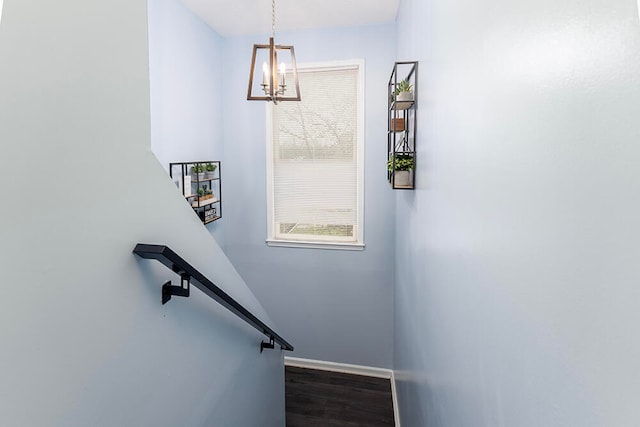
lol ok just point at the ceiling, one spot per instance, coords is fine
(243, 17)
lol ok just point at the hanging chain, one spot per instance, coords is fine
(273, 18)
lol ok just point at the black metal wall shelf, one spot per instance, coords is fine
(208, 207)
(401, 126)
(188, 273)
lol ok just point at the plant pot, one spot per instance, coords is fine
(404, 97)
(199, 176)
(209, 175)
(401, 179)
(397, 125)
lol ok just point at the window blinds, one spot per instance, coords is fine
(315, 171)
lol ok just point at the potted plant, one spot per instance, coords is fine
(210, 169)
(197, 170)
(204, 194)
(401, 165)
(403, 91)
(200, 197)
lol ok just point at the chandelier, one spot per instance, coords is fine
(276, 84)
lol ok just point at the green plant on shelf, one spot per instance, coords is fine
(210, 167)
(403, 162)
(198, 168)
(402, 86)
(204, 193)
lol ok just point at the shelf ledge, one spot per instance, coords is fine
(401, 105)
(203, 203)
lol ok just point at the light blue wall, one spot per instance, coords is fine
(334, 305)
(517, 270)
(84, 339)
(185, 67)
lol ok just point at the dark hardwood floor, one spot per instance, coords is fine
(330, 399)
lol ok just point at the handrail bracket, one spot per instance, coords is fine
(269, 344)
(168, 290)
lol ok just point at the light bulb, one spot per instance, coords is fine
(265, 73)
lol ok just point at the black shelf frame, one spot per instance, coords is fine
(403, 141)
(208, 212)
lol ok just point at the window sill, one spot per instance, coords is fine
(316, 245)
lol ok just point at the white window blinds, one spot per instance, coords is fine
(316, 175)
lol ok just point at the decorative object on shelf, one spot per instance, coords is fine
(205, 196)
(209, 170)
(200, 192)
(274, 77)
(186, 190)
(397, 125)
(401, 165)
(208, 215)
(400, 162)
(403, 91)
(401, 133)
(197, 171)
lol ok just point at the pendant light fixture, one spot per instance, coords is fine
(279, 80)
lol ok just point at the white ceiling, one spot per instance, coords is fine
(242, 17)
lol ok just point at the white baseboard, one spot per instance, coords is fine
(346, 368)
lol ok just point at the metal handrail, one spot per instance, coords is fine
(187, 272)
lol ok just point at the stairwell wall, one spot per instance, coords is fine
(84, 338)
(336, 305)
(185, 70)
(516, 256)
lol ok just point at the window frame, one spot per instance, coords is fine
(271, 240)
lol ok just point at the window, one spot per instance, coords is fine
(315, 160)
